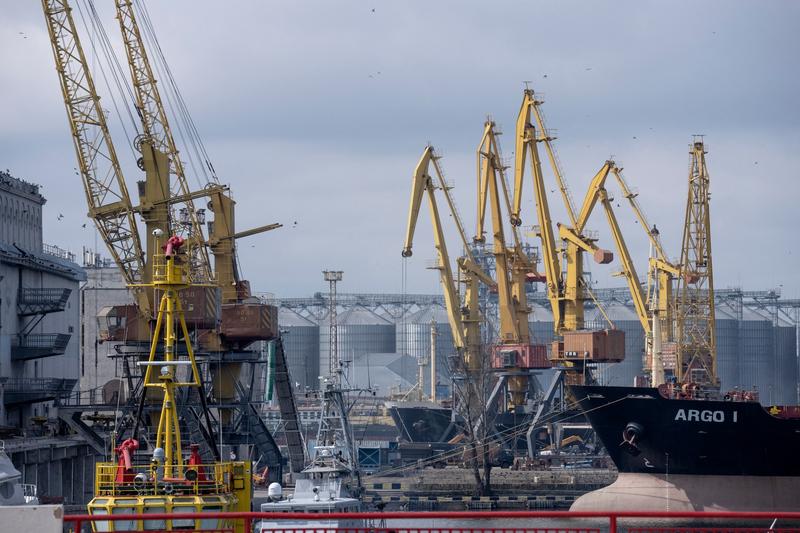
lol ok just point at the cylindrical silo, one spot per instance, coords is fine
(301, 346)
(786, 365)
(756, 348)
(540, 324)
(727, 337)
(360, 331)
(414, 339)
(625, 319)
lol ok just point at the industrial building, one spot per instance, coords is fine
(756, 336)
(39, 348)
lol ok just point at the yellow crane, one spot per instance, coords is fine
(696, 335)
(240, 323)
(157, 144)
(566, 288)
(513, 354)
(464, 319)
(649, 315)
(107, 195)
(161, 161)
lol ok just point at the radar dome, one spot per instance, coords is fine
(274, 491)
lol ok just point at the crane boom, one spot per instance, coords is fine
(158, 134)
(525, 145)
(422, 183)
(511, 303)
(628, 268)
(106, 193)
(465, 321)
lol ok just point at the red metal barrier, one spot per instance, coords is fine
(471, 522)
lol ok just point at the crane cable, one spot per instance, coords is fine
(179, 108)
(124, 91)
(499, 437)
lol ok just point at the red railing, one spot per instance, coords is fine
(478, 522)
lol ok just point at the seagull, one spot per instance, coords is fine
(60, 216)
(588, 68)
(373, 10)
(83, 225)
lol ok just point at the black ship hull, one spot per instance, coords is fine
(419, 422)
(692, 454)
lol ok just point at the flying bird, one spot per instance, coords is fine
(60, 216)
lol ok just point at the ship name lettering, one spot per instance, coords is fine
(704, 415)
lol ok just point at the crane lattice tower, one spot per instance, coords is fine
(697, 350)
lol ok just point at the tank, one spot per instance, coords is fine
(786, 365)
(727, 347)
(360, 331)
(625, 319)
(301, 346)
(756, 349)
(540, 324)
(413, 337)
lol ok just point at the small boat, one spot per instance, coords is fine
(12, 492)
(327, 486)
(331, 483)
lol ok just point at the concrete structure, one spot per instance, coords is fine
(104, 288)
(756, 332)
(39, 311)
(40, 338)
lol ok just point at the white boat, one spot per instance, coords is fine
(12, 492)
(327, 486)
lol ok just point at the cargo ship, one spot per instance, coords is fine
(680, 449)
(422, 421)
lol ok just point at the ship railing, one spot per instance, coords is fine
(447, 522)
(149, 479)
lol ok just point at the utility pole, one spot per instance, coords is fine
(332, 277)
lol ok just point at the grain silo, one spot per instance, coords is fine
(414, 339)
(301, 345)
(540, 323)
(756, 354)
(785, 365)
(727, 337)
(360, 331)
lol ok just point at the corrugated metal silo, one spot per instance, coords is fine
(756, 348)
(414, 339)
(727, 337)
(540, 324)
(786, 365)
(301, 346)
(360, 331)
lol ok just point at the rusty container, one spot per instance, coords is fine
(245, 323)
(201, 306)
(603, 257)
(604, 346)
(520, 356)
(614, 345)
(557, 351)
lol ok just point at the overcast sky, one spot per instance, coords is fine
(316, 112)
